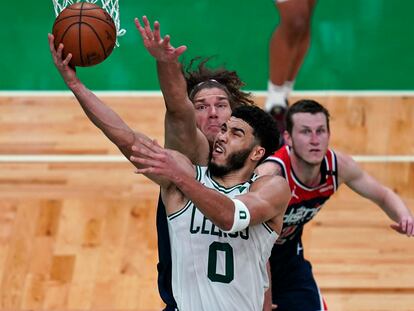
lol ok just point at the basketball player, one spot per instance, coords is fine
(288, 47)
(214, 269)
(314, 172)
(197, 102)
(223, 220)
(120, 134)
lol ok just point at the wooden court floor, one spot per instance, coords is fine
(81, 235)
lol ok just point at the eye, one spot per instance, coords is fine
(238, 133)
(200, 107)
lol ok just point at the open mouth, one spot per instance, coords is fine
(218, 149)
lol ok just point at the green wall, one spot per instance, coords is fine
(356, 44)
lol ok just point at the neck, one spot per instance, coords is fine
(234, 177)
(308, 174)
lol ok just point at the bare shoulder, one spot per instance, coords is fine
(347, 167)
(272, 186)
(343, 159)
(269, 168)
(276, 191)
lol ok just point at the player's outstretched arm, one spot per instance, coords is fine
(267, 199)
(100, 114)
(164, 166)
(180, 124)
(160, 161)
(167, 163)
(364, 184)
(160, 48)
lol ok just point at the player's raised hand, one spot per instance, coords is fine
(67, 72)
(160, 48)
(405, 226)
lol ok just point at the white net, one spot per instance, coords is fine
(111, 6)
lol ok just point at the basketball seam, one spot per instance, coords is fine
(80, 34)
(98, 18)
(85, 9)
(98, 37)
(93, 17)
(66, 30)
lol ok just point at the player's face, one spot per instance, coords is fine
(233, 145)
(212, 109)
(310, 137)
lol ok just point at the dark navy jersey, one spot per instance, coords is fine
(164, 266)
(305, 203)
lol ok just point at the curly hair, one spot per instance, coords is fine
(203, 77)
(264, 127)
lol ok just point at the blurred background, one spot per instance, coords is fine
(77, 226)
(356, 45)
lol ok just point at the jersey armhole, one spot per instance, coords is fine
(199, 174)
(280, 163)
(335, 170)
(179, 212)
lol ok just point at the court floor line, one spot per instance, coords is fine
(34, 158)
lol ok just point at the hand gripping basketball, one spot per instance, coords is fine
(87, 32)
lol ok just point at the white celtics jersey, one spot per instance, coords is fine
(212, 270)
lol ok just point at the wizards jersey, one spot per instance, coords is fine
(306, 202)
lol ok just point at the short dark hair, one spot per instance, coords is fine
(305, 105)
(264, 127)
(203, 77)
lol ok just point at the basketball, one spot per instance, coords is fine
(87, 31)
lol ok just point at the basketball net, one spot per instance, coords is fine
(111, 6)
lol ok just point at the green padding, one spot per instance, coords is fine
(356, 44)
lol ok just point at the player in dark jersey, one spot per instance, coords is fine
(314, 173)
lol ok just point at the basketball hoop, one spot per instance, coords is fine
(111, 6)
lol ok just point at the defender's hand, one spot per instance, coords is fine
(160, 48)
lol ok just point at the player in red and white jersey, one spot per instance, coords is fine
(302, 192)
(314, 173)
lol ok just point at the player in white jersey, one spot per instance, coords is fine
(217, 259)
(224, 222)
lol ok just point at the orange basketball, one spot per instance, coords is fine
(87, 31)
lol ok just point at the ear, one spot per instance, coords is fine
(257, 153)
(287, 138)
